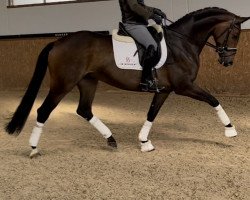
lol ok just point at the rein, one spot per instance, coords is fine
(220, 49)
(224, 48)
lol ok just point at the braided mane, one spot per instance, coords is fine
(198, 14)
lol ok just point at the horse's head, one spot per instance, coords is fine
(226, 35)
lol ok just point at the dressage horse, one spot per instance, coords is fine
(83, 58)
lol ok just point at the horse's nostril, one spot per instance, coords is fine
(228, 64)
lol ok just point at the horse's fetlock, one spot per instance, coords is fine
(79, 112)
(85, 114)
(229, 125)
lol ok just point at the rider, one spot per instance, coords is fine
(135, 16)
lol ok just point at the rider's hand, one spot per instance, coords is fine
(157, 19)
(159, 12)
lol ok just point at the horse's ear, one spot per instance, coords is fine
(241, 20)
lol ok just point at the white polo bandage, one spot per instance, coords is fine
(222, 115)
(143, 135)
(101, 127)
(36, 134)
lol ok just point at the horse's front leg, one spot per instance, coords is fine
(156, 104)
(196, 92)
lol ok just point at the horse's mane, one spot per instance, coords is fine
(198, 14)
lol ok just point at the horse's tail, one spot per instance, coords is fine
(21, 114)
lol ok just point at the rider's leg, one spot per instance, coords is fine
(149, 78)
(141, 34)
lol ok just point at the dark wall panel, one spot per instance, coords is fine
(17, 62)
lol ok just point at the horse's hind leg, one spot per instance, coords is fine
(87, 88)
(49, 104)
(196, 92)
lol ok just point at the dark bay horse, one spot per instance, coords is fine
(84, 58)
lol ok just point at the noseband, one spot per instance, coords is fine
(222, 49)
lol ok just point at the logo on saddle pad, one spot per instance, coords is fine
(125, 52)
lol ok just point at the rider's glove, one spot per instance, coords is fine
(157, 19)
(159, 12)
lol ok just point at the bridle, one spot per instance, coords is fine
(224, 48)
(221, 49)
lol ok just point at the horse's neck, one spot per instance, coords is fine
(198, 32)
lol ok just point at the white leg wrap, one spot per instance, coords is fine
(222, 115)
(143, 135)
(101, 127)
(35, 135)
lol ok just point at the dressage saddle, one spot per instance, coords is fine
(140, 48)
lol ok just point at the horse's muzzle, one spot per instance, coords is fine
(225, 63)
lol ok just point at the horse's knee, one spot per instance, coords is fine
(86, 114)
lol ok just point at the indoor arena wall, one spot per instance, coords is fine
(18, 55)
(18, 59)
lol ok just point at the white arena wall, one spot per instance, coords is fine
(96, 16)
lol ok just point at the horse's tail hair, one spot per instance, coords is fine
(21, 114)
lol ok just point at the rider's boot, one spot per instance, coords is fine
(149, 81)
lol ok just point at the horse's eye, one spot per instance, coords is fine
(235, 37)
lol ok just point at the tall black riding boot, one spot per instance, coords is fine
(149, 81)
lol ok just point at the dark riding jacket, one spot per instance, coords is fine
(135, 11)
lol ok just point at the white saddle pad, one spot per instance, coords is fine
(125, 49)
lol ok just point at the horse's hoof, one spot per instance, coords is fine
(230, 132)
(147, 146)
(34, 153)
(111, 142)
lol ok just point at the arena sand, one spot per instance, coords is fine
(193, 159)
